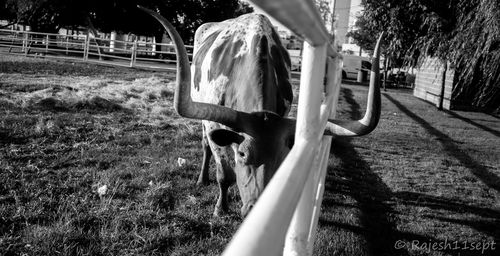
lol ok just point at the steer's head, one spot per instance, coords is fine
(260, 140)
(259, 150)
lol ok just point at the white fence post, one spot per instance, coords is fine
(333, 89)
(300, 235)
(311, 88)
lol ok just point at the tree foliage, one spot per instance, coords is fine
(41, 15)
(325, 13)
(119, 15)
(363, 36)
(465, 33)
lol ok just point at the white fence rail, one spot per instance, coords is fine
(283, 221)
(89, 49)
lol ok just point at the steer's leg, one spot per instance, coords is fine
(207, 154)
(225, 178)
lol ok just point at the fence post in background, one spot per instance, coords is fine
(26, 44)
(67, 46)
(23, 46)
(47, 44)
(153, 47)
(12, 41)
(133, 55)
(86, 48)
(112, 42)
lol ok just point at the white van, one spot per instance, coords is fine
(295, 58)
(353, 64)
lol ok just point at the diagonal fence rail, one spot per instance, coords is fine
(283, 222)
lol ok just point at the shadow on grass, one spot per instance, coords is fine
(469, 121)
(436, 202)
(358, 181)
(188, 229)
(491, 228)
(353, 177)
(480, 171)
(95, 104)
(494, 116)
(354, 82)
(42, 66)
(6, 138)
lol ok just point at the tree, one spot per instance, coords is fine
(44, 15)
(6, 13)
(120, 15)
(464, 33)
(325, 11)
(187, 15)
(363, 36)
(475, 51)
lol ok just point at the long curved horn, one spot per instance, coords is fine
(372, 115)
(183, 103)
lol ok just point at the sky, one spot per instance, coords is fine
(355, 9)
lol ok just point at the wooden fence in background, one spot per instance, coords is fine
(87, 48)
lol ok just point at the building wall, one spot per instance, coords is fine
(428, 82)
(342, 14)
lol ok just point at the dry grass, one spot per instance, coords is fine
(146, 95)
(70, 130)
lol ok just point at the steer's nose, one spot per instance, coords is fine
(246, 209)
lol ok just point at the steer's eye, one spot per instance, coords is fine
(242, 157)
(241, 154)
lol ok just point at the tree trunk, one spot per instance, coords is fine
(443, 85)
(91, 29)
(386, 63)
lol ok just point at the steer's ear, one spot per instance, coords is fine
(224, 137)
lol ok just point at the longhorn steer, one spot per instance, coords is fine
(239, 85)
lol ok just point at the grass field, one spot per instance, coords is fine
(89, 166)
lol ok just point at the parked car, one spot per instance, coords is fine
(353, 64)
(398, 79)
